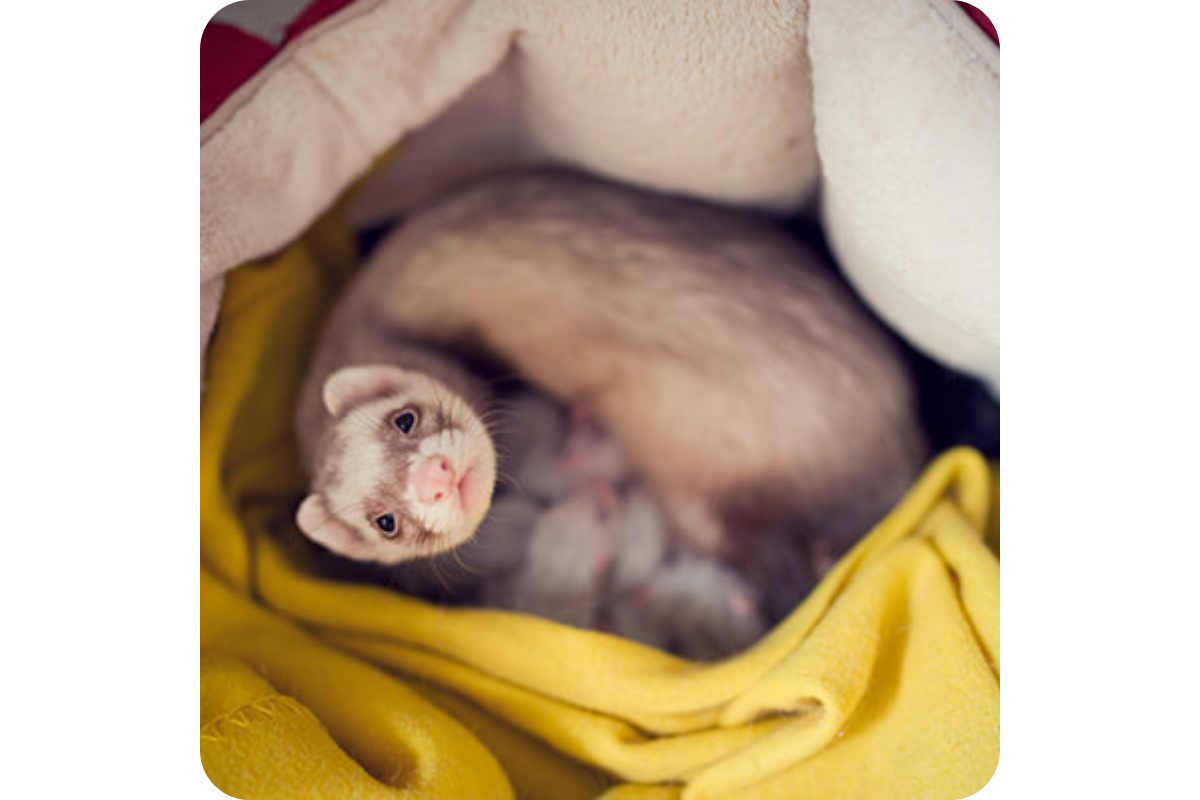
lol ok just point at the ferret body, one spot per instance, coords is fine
(745, 384)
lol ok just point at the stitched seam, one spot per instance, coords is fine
(321, 86)
(244, 716)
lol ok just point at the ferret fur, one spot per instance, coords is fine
(744, 382)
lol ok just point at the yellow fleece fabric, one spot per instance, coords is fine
(884, 683)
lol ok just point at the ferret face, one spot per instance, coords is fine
(406, 469)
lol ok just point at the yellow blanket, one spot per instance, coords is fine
(884, 683)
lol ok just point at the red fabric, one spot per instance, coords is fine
(319, 10)
(230, 57)
(982, 21)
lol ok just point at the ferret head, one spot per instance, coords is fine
(405, 470)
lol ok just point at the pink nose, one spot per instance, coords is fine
(434, 479)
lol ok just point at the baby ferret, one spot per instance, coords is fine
(745, 384)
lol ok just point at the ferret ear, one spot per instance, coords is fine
(350, 386)
(318, 524)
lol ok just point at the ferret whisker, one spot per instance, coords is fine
(435, 567)
(513, 486)
(462, 565)
(498, 407)
(494, 414)
(493, 411)
(511, 413)
(393, 578)
(510, 481)
(500, 378)
(494, 515)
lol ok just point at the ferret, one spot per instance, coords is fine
(745, 384)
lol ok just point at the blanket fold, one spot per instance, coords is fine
(883, 683)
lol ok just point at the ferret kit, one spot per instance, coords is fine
(736, 418)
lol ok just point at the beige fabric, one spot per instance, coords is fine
(708, 99)
(907, 106)
(281, 151)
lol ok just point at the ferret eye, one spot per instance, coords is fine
(387, 524)
(405, 421)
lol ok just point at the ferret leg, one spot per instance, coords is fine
(693, 519)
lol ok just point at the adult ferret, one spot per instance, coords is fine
(748, 387)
